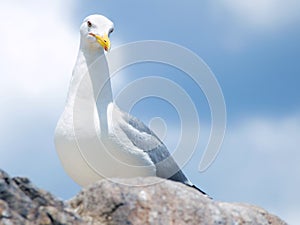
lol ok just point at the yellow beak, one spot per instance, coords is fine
(103, 41)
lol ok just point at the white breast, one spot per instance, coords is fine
(86, 159)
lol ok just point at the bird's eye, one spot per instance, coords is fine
(111, 30)
(89, 23)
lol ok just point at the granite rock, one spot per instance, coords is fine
(113, 202)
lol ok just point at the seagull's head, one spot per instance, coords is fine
(95, 31)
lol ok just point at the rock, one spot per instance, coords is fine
(23, 203)
(165, 202)
(112, 202)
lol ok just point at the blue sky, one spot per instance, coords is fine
(253, 48)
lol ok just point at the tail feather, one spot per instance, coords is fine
(198, 189)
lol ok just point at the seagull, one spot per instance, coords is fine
(129, 148)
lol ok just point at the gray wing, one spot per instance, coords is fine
(166, 167)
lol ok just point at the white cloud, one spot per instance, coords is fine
(37, 48)
(292, 216)
(268, 135)
(266, 152)
(244, 20)
(263, 14)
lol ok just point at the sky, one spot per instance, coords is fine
(252, 47)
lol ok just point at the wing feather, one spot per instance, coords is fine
(145, 139)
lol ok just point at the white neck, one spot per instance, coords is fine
(91, 85)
